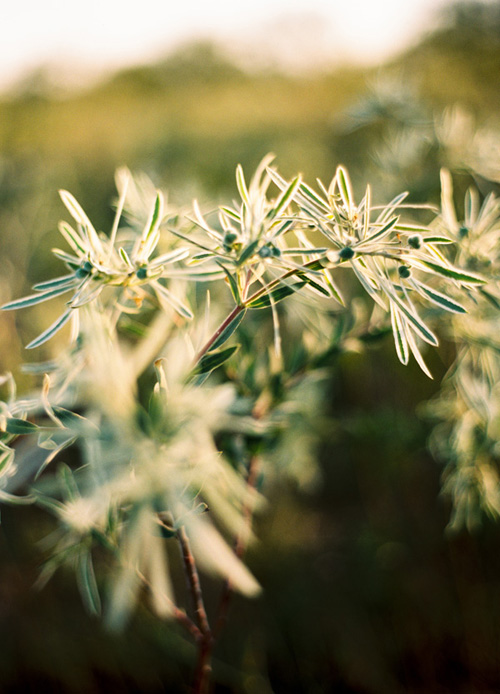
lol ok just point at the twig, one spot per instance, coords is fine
(193, 581)
(239, 549)
(227, 321)
(178, 614)
(241, 307)
(205, 638)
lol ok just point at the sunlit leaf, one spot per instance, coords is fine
(399, 335)
(447, 271)
(87, 583)
(20, 426)
(233, 283)
(212, 360)
(51, 331)
(228, 330)
(276, 295)
(37, 298)
(439, 299)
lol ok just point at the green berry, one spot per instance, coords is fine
(463, 232)
(142, 273)
(229, 238)
(404, 271)
(415, 241)
(265, 252)
(346, 253)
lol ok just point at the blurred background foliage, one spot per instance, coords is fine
(365, 591)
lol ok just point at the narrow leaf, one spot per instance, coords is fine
(248, 251)
(386, 229)
(74, 208)
(228, 331)
(285, 198)
(344, 187)
(439, 299)
(20, 426)
(124, 256)
(212, 360)
(399, 335)
(416, 352)
(231, 213)
(67, 478)
(312, 196)
(389, 209)
(315, 285)
(233, 283)
(172, 300)
(276, 295)
(6, 459)
(303, 251)
(335, 291)
(437, 239)
(171, 257)
(156, 215)
(72, 237)
(192, 241)
(51, 331)
(59, 282)
(72, 419)
(242, 186)
(71, 261)
(36, 298)
(366, 219)
(447, 271)
(87, 584)
(81, 218)
(87, 293)
(417, 323)
(281, 229)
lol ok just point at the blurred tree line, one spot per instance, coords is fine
(364, 591)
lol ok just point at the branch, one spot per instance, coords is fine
(239, 548)
(193, 581)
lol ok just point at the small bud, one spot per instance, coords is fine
(230, 237)
(346, 253)
(265, 252)
(415, 241)
(463, 232)
(404, 271)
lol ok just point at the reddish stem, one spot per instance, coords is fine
(241, 307)
(193, 581)
(204, 639)
(227, 321)
(239, 548)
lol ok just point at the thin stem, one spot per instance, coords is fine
(178, 614)
(205, 640)
(241, 307)
(193, 580)
(227, 321)
(239, 548)
(204, 666)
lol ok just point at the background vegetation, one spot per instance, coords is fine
(365, 591)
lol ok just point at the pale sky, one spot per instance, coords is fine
(100, 35)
